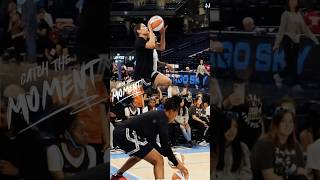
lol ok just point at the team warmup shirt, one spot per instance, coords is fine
(144, 60)
(148, 125)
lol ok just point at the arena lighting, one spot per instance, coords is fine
(119, 57)
(193, 55)
(175, 66)
(214, 15)
(207, 5)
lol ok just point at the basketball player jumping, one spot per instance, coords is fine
(138, 135)
(145, 45)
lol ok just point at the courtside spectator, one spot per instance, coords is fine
(199, 121)
(278, 156)
(151, 106)
(249, 108)
(232, 157)
(71, 154)
(43, 31)
(249, 25)
(16, 46)
(132, 109)
(47, 17)
(21, 155)
(183, 121)
(313, 159)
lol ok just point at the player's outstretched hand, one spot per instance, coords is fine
(163, 29)
(184, 170)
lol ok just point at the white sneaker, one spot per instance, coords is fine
(203, 143)
(278, 80)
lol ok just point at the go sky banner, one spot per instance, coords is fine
(247, 51)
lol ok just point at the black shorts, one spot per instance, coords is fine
(154, 76)
(151, 79)
(128, 140)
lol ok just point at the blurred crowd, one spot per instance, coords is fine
(257, 137)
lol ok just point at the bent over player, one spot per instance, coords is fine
(137, 137)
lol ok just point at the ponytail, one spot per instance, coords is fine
(135, 28)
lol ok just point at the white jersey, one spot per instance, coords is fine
(155, 60)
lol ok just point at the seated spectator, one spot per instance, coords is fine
(199, 121)
(47, 17)
(116, 115)
(43, 31)
(116, 112)
(124, 73)
(311, 18)
(71, 154)
(161, 104)
(186, 93)
(216, 46)
(206, 108)
(54, 49)
(182, 119)
(150, 107)
(306, 135)
(310, 131)
(114, 72)
(95, 116)
(16, 40)
(248, 25)
(278, 155)
(288, 103)
(313, 160)
(215, 92)
(159, 99)
(21, 155)
(154, 94)
(132, 109)
(248, 105)
(199, 94)
(173, 90)
(232, 160)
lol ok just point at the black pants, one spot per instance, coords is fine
(19, 47)
(201, 80)
(291, 53)
(173, 133)
(202, 131)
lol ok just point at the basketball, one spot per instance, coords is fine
(156, 22)
(118, 178)
(175, 177)
(178, 176)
